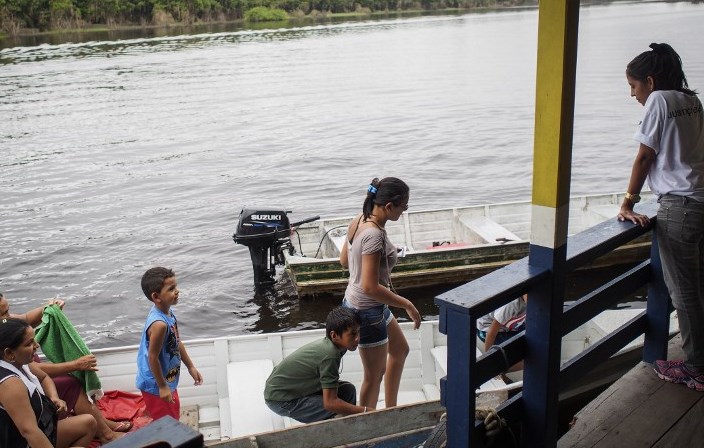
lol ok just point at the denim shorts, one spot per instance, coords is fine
(374, 320)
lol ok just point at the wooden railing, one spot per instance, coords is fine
(461, 307)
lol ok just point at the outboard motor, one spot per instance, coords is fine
(266, 231)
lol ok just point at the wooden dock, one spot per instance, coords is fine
(641, 410)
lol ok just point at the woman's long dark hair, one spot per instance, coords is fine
(381, 192)
(665, 66)
(11, 333)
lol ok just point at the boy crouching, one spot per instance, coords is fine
(306, 385)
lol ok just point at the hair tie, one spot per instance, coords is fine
(372, 189)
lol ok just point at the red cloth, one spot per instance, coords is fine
(119, 406)
(158, 408)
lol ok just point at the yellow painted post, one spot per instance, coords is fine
(558, 22)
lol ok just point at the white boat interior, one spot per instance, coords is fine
(453, 228)
(230, 401)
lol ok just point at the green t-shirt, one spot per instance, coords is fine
(307, 371)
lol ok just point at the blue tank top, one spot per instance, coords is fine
(169, 356)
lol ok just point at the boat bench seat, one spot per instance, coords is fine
(209, 419)
(337, 238)
(488, 230)
(439, 354)
(248, 412)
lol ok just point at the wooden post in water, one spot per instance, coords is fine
(558, 22)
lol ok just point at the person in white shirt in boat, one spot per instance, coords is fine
(503, 324)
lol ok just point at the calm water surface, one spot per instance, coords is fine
(120, 155)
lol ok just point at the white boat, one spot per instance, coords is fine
(446, 246)
(230, 404)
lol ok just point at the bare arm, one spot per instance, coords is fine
(351, 230)
(15, 400)
(48, 386)
(333, 403)
(491, 334)
(195, 374)
(34, 317)
(371, 287)
(84, 363)
(641, 167)
(343, 255)
(156, 334)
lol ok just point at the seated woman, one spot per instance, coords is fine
(77, 402)
(25, 418)
(68, 387)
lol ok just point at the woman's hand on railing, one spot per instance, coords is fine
(627, 214)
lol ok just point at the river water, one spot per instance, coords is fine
(125, 154)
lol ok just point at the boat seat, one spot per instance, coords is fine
(439, 354)
(488, 230)
(336, 236)
(209, 418)
(431, 391)
(404, 397)
(248, 412)
(290, 422)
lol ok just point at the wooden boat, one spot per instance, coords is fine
(230, 407)
(446, 246)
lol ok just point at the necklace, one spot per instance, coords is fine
(377, 225)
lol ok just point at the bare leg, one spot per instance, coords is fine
(374, 363)
(398, 351)
(78, 430)
(103, 432)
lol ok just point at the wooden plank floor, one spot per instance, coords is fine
(641, 410)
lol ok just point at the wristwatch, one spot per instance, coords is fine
(634, 198)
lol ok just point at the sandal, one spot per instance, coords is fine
(123, 426)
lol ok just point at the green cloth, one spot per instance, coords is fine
(60, 342)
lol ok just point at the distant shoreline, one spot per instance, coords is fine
(302, 20)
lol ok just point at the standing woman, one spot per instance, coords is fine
(28, 400)
(671, 156)
(370, 255)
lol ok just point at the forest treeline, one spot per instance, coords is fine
(42, 15)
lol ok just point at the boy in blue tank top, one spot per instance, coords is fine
(161, 350)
